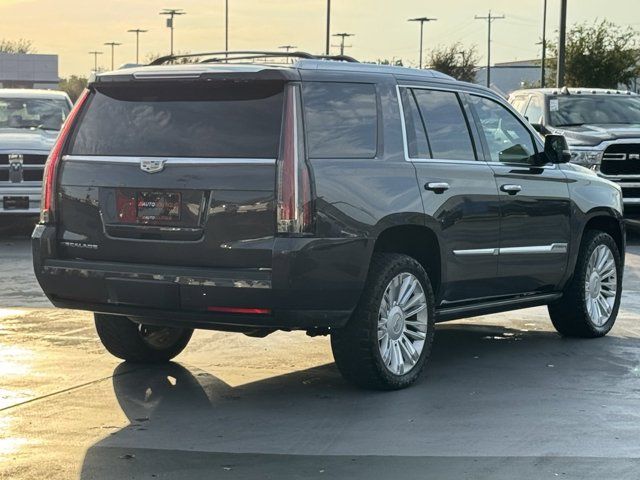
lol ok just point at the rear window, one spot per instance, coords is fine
(341, 119)
(214, 120)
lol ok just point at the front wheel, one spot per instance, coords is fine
(136, 342)
(388, 340)
(591, 300)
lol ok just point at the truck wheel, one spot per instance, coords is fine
(387, 341)
(136, 342)
(590, 303)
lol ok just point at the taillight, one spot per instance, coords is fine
(295, 201)
(51, 167)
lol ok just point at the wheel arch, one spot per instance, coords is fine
(417, 241)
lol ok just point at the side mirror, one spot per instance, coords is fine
(556, 149)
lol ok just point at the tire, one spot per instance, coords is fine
(358, 349)
(572, 316)
(139, 343)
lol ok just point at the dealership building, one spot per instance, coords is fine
(18, 70)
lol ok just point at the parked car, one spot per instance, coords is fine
(29, 124)
(602, 128)
(366, 202)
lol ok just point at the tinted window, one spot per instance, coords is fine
(508, 140)
(208, 120)
(416, 136)
(447, 131)
(341, 120)
(534, 110)
(570, 110)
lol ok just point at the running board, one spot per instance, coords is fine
(497, 306)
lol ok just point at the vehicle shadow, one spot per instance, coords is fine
(483, 383)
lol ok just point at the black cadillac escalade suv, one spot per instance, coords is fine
(361, 201)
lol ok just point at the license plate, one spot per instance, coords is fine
(15, 203)
(154, 207)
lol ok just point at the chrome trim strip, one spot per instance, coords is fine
(169, 160)
(553, 248)
(631, 201)
(476, 251)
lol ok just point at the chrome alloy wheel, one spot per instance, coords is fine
(402, 323)
(601, 285)
(159, 338)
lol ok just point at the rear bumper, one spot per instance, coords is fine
(18, 190)
(301, 291)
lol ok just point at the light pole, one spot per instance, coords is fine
(172, 12)
(342, 37)
(422, 20)
(562, 39)
(544, 45)
(95, 54)
(490, 19)
(328, 37)
(137, 31)
(113, 46)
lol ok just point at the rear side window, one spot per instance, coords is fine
(417, 144)
(447, 131)
(341, 119)
(214, 120)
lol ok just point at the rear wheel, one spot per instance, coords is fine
(136, 342)
(388, 340)
(590, 303)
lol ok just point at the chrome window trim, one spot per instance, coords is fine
(451, 161)
(169, 160)
(530, 250)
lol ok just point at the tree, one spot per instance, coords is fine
(16, 46)
(73, 86)
(180, 61)
(456, 61)
(601, 55)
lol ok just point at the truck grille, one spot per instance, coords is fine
(32, 168)
(621, 159)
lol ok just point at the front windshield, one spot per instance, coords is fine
(32, 113)
(573, 110)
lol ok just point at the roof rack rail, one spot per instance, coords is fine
(225, 56)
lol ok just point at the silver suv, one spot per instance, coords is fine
(29, 124)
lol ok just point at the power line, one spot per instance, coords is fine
(113, 46)
(137, 31)
(422, 21)
(342, 37)
(490, 19)
(172, 12)
(95, 59)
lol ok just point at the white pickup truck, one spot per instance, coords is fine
(29, 124)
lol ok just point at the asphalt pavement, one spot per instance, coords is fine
(504, 397)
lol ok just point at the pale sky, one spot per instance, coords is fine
(71, 28)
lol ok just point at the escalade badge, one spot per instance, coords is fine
(152, 166)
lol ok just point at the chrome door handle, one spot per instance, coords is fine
(511, 189)
(437, 187)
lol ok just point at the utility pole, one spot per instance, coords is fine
(170, 13)
(422, 20)
(287, 47)
(226, 28)
(543, 72)
(342, 37)
(328, 40)
(137, 31)
(113, 46)
(562, 40)
(95, 60)
(489, 18)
